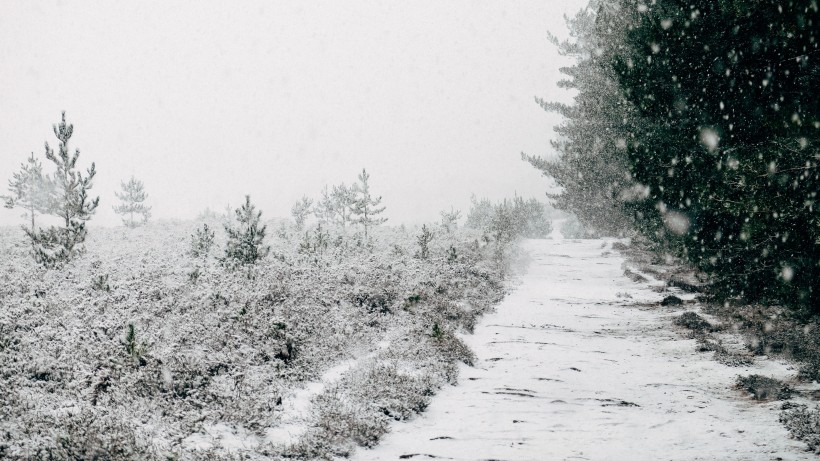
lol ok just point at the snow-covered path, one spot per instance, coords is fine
(571, 367)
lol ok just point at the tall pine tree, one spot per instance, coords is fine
(71, 204)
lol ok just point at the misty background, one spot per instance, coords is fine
(207, 101)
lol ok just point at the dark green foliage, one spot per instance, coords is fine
(698, 124)
(57, 245)
(729, 145)
(245, 243)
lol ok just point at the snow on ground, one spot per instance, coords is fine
(575, 365)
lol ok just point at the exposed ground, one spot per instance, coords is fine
(582, 362)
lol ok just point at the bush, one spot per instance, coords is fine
(764, 388)
(803, 424)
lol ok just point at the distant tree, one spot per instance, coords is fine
(449, 219)
(300, 212)
(481, 213)
(423, 241)
(245, 243)
(31, 190)
(133, 197)
(202, 241)
(365, 207)
(57, 245)
(324, 209)
(343, 199)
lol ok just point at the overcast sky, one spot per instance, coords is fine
(206, 101)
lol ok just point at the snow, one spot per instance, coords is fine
(580, 363)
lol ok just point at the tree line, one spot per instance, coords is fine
(695, 125)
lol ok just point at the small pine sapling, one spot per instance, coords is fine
(201, 242)
(365, 208)
(30, 190)
(424, 240)
(133, 197)
(245, 243)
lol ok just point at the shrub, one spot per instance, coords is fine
(803, 424)
(201, 242)
(764, 388)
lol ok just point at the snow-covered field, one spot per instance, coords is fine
(139, 350)
(580, 362)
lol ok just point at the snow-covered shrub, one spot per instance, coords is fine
(202, 241)
(803, 424)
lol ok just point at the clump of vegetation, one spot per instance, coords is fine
(803, 424)
(100, 283)
(202, 240)
(423, 240)
(764, 388)
(246, 238)
(694, 322)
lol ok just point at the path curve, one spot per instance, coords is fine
(571, 367)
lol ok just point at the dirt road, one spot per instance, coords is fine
(575, 365)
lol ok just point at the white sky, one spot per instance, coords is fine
(206, 101)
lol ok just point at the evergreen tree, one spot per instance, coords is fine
(133, 197)
(342, 202)
(592, 168)
(71, 203)
(325, 208)
(365, 208)
(730, 145)
(449, 219)
(31, 190)
(300, 212)
(246, 238)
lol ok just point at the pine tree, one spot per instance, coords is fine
(365, 208)
(133, 197)
(71, 203)
(300, 212)
(342, 201)
(31, 190)
(245, 243)
(449, 219)
(324, 209)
